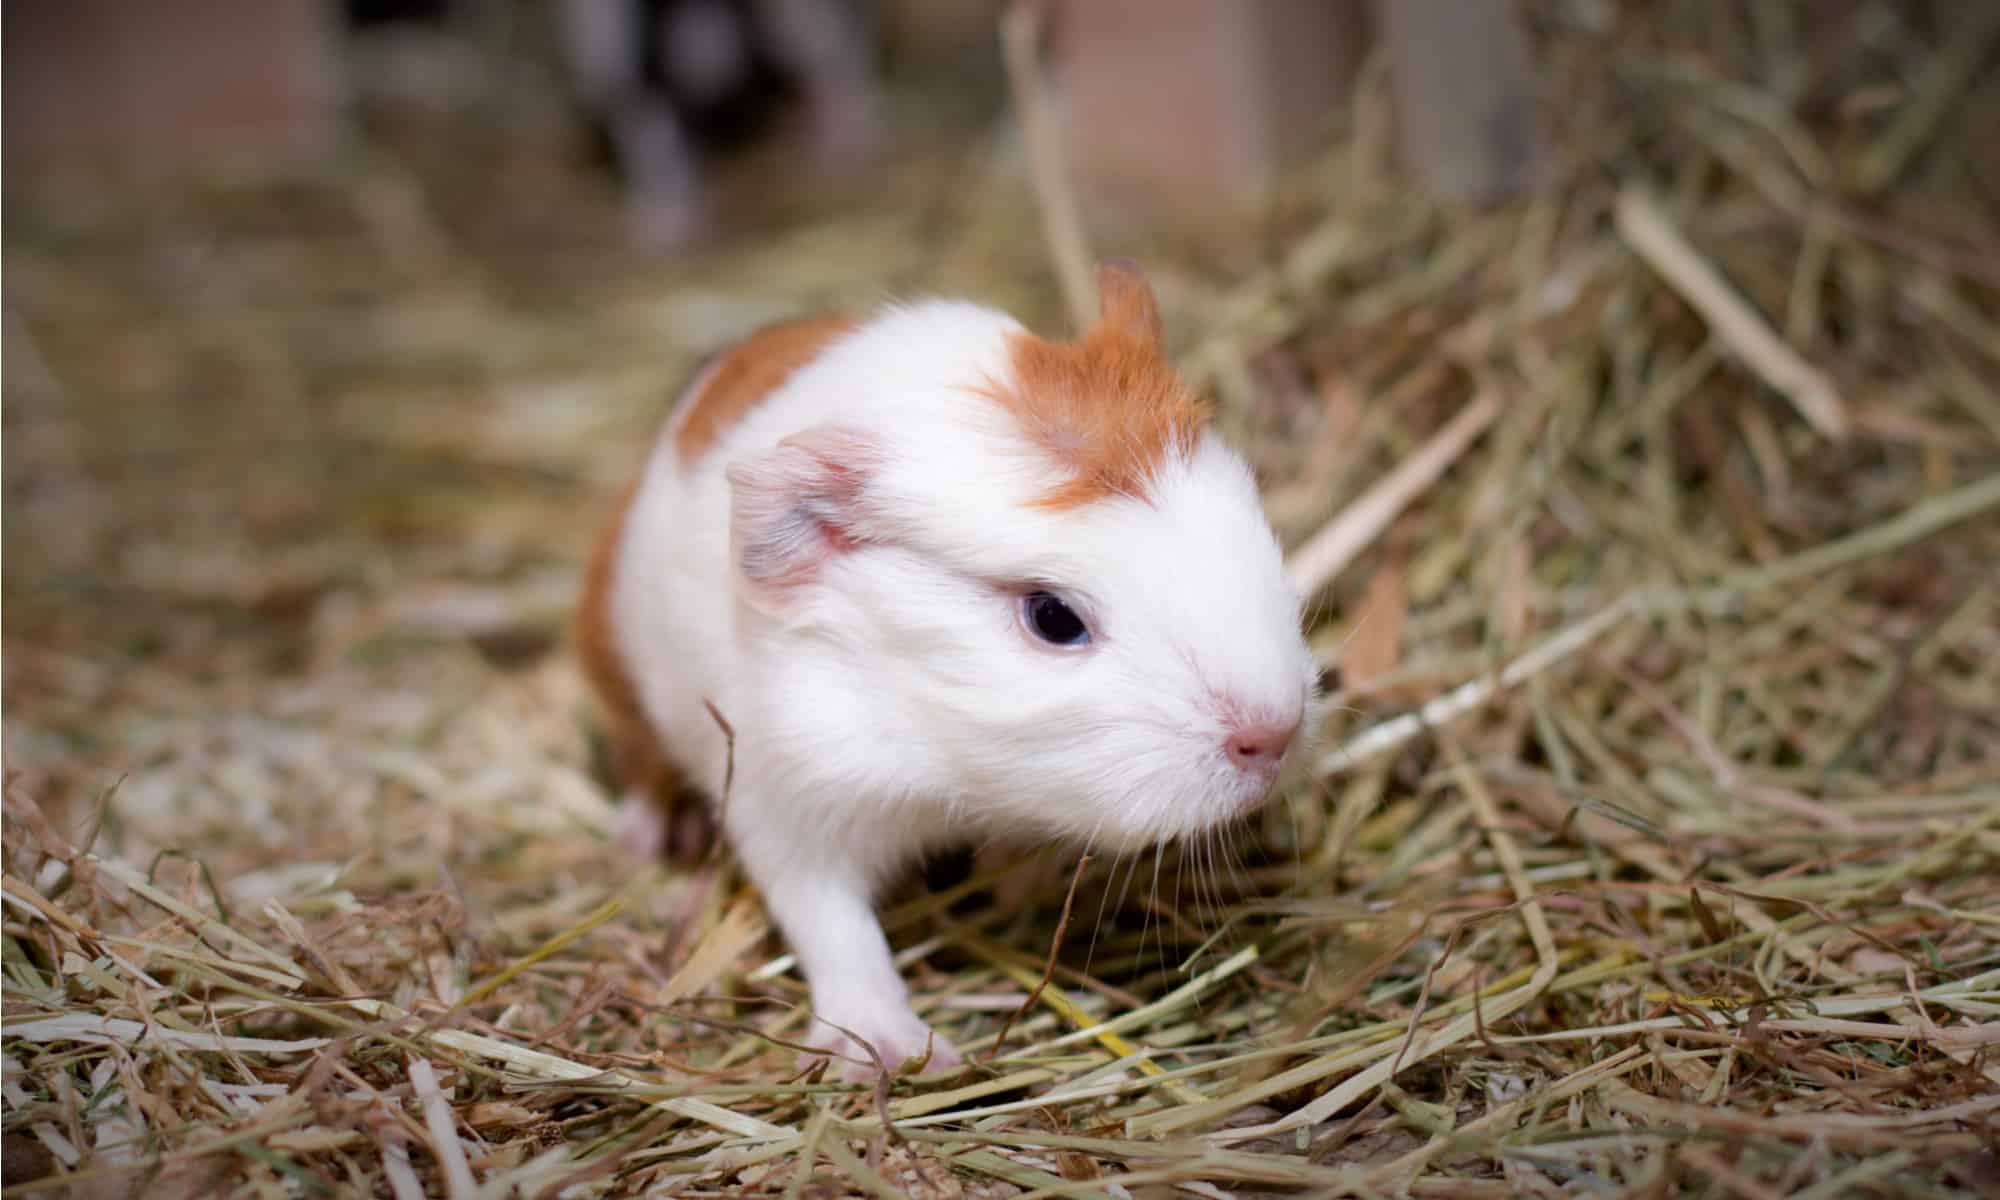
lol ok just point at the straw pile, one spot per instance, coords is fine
(1652, 847)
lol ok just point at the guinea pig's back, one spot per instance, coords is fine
(670, 601)
(905, 368)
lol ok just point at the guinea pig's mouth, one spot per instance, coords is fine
(1233, 799)
(1172, 795)
(1251, 798)
(1256, 798)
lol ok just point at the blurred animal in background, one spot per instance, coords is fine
(666, 92)
(669, 84)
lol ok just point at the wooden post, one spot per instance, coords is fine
(167, 86)
(1181, 104)
(1465, 92)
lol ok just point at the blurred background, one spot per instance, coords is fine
(717, 115)
(331, 328)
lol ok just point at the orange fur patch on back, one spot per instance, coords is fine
(635, 752)
(749, 371)
(1106, 407)
(733, 385)
(638, 762)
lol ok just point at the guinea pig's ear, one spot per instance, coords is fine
(795, 507)
(1125, 303)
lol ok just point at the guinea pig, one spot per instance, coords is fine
(923, 578)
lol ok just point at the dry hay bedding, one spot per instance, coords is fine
(1655, 843)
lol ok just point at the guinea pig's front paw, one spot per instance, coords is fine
(897, 1037)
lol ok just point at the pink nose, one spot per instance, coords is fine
(1260, 745)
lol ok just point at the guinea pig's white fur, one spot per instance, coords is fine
(841, 574)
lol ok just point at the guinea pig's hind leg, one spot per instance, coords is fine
(856, 993)
(657, 816)
(640, 827)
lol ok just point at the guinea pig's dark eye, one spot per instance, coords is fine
(1053, 621)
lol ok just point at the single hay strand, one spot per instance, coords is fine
(597, 916)
(1649, 232)
(1330, 550)
(740, 928)
(1048, 971)
(1021, 27)
(109, 1031)
(1172, 1002)
(438, 1120)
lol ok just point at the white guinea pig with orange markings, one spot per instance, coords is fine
(946, 581)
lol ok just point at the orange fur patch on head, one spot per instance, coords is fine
(746, 373)
(1106, 407)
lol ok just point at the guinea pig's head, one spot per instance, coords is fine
(1063, 596)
